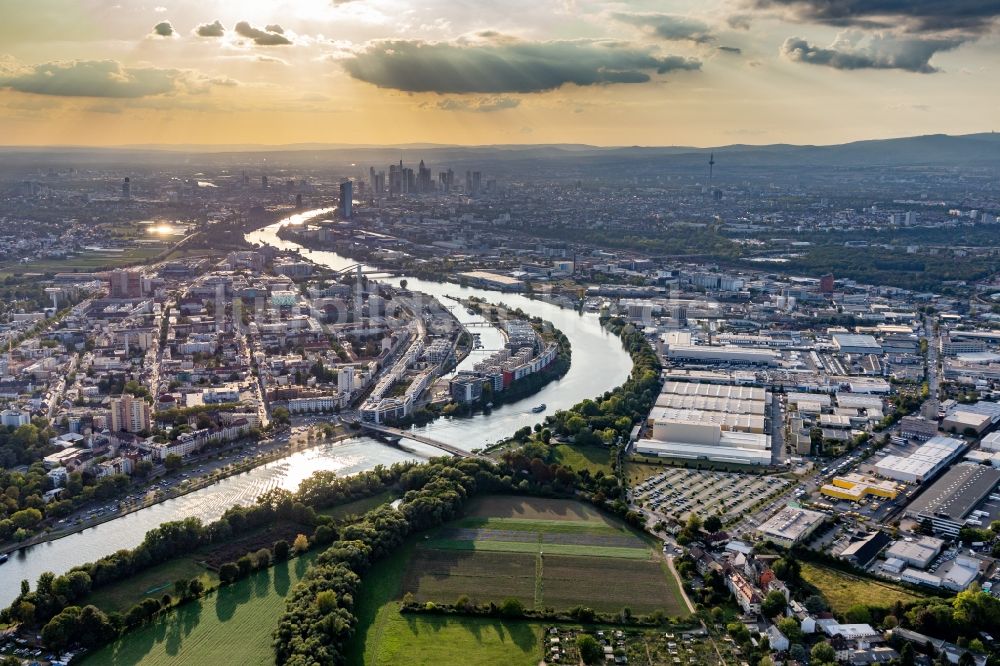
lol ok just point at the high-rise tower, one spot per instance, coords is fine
(346, 199)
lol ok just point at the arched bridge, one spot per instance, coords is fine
(429, 441)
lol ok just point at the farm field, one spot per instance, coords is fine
(444, 576)
(643, 587)
(232, 625)
(544, 552)
(506, 553)
(842, 590)
(154, 582)
(500, 507)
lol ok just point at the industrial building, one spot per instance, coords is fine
(948, 503)
(492, 280)
(854, 487)
(721, 423)
(919, 553)
(955, 575)
(849, 343)
(704, 441)
(975, 418)
(791, 525)
(722, 355)
(728, 421)
(728, 391)
(917, 427)
(712, 404)
(861, 553)
(929, 459)
(989, 443)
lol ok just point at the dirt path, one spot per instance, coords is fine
(680, 583)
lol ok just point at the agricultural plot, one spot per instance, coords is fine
(547, 553)
(644, 587)
(444, 576)
(533, 508)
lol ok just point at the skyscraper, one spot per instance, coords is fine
(346, 199)
(446, 179)
(126, 188)
(424, 182)
(396, 178)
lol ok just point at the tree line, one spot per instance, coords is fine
(57, 598)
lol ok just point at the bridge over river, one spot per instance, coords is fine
(423, 439)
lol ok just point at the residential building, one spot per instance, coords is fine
(129, 414)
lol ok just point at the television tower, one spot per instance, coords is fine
(711, 168)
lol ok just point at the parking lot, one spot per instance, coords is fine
(679, 492)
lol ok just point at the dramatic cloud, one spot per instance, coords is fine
(260, 37)
(881, 52)
(734, 50)
(479, 104)
(668, 26)
(104, 78)
(974, 16)
(506, 66)
(164, 29)
(274, 27)
(214, 29)
(90, 78)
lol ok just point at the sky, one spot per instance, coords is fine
(670, 72)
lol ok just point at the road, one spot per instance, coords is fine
(60, 389)
(162, 485)
(777, 429)
(933, 357)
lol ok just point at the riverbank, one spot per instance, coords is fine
(175, 493)
(519, 389)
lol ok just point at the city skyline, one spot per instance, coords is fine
(387, 72)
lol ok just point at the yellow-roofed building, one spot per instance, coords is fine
(854, 487)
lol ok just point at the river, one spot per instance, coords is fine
(599, 364)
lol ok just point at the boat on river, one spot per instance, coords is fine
(539, 409)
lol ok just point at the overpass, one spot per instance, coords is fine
(408, 434)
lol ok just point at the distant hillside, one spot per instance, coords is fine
(969, 150)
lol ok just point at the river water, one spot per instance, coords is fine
(599, 364)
